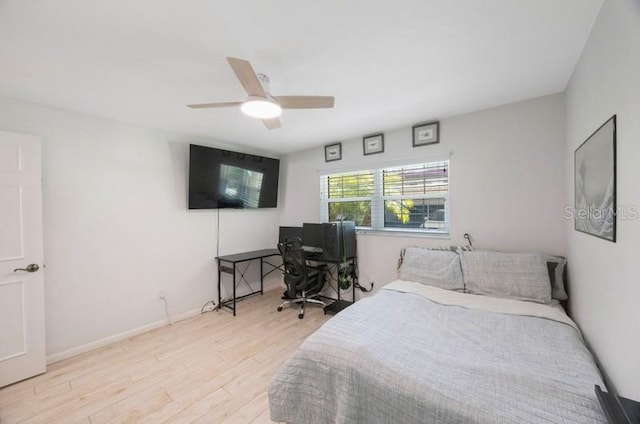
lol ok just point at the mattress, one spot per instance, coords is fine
(418, 354)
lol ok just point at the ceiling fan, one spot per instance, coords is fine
(261, 104)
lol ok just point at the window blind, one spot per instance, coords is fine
(408, 198)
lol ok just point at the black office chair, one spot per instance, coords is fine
(304, 282)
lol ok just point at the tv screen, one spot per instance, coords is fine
(224, 179)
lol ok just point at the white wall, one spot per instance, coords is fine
(604, 284)
(506, 181)
(117, 228)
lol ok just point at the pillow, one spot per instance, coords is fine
(555, 266)
(521, 276)
(439, 268)
(451, 248)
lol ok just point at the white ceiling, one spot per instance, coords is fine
(388, 63)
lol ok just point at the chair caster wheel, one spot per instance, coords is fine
(279, 308)
(300, 316)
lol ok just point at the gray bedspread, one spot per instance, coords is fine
(401, 358)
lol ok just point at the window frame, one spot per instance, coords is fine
(378, 200)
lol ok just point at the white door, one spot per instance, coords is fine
(22, 331)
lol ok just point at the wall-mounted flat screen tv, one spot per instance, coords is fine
(225, 179)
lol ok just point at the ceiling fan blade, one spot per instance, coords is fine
(305, 102)
(247, 76)
(210, 105)
(272, 124)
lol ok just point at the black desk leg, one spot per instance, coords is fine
(234, 289)
(354, 280)
(219, 292)
(338, 275)
(261, 277)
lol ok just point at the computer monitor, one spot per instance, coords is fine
(288, 232)
(312, 235)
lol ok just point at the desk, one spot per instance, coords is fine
(334, 267)
(231, 267)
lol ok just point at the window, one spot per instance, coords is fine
(403, 198)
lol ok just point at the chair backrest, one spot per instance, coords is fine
(293, 257)
(297, 275)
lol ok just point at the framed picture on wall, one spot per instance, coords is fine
(333, 152)
(373, 144)
(595, 183)
(425, 134)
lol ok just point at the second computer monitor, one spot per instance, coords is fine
(289, 232)
(312, 235)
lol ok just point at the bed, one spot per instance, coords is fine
(416, 353)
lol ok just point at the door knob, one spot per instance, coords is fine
(29, 268)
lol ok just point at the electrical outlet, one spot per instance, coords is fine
(162, 295)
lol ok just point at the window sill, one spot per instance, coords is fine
(395, 232)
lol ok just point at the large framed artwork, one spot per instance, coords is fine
(595, 183)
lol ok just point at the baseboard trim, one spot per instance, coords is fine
(56, 357)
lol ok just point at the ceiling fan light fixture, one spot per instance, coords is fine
(261, 108)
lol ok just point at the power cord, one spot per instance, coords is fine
(205, 309)
(357, 279)
(166, 309)
(364, 289)
(213, 306)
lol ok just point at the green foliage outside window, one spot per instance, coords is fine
(410, 197)
(360, 212)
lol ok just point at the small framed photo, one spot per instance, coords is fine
(373, 144)
(425, 134)
(333, 152)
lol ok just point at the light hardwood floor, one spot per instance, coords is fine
(213, 368)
